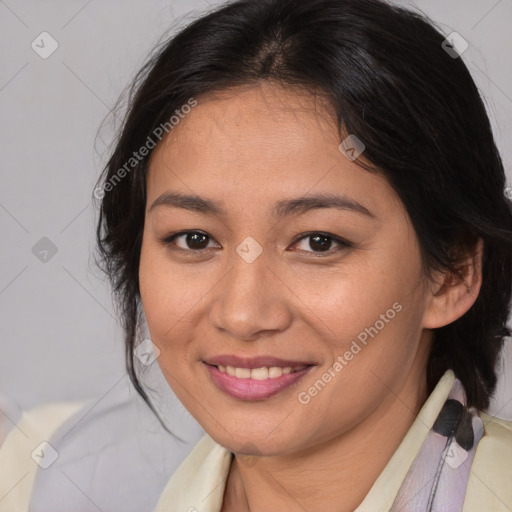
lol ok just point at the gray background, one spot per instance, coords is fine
(59, 338)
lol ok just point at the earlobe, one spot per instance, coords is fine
(451, 296)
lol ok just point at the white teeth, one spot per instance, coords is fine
(275, 371)
(242, 373)
(259, 373)
(262, 373)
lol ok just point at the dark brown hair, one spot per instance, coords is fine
(391, 83)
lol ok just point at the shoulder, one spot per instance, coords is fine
(38, 423)
(101, 445)
(195, 484)
(489, 485)
(26, 448)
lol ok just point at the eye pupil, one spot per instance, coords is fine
(199, 239)
(319, 242)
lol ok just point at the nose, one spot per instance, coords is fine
(251, 300)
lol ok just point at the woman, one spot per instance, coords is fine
(306, 205)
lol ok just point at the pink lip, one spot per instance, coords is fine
(252, 389)
(254, 362)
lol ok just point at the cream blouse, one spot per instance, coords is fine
(199, 482)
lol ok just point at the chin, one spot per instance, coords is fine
(258, 442)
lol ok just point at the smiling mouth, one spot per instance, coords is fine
(261, 373)
(250, 382)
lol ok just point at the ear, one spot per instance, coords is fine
(452, 295)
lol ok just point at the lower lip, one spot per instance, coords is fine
(252, 389)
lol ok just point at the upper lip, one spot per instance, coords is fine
(254, 362)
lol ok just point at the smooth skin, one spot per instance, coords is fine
(247, 149)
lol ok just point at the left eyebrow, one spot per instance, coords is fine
(314, 202)
(281, 209)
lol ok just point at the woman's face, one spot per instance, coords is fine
(274, 277)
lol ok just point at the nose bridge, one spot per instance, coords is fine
(249, 298)
(249, 271)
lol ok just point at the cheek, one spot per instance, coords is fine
(159, 292)
(172, 296)
(347, 301)
(166, 291)
(371, 317)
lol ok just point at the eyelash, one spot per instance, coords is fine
(343, 244)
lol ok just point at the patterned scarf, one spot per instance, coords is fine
(438, 477)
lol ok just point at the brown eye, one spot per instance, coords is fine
(322, 243)
(189, 240)
(196, 240)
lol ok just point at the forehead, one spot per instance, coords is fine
(266, 121)
(251, 143)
